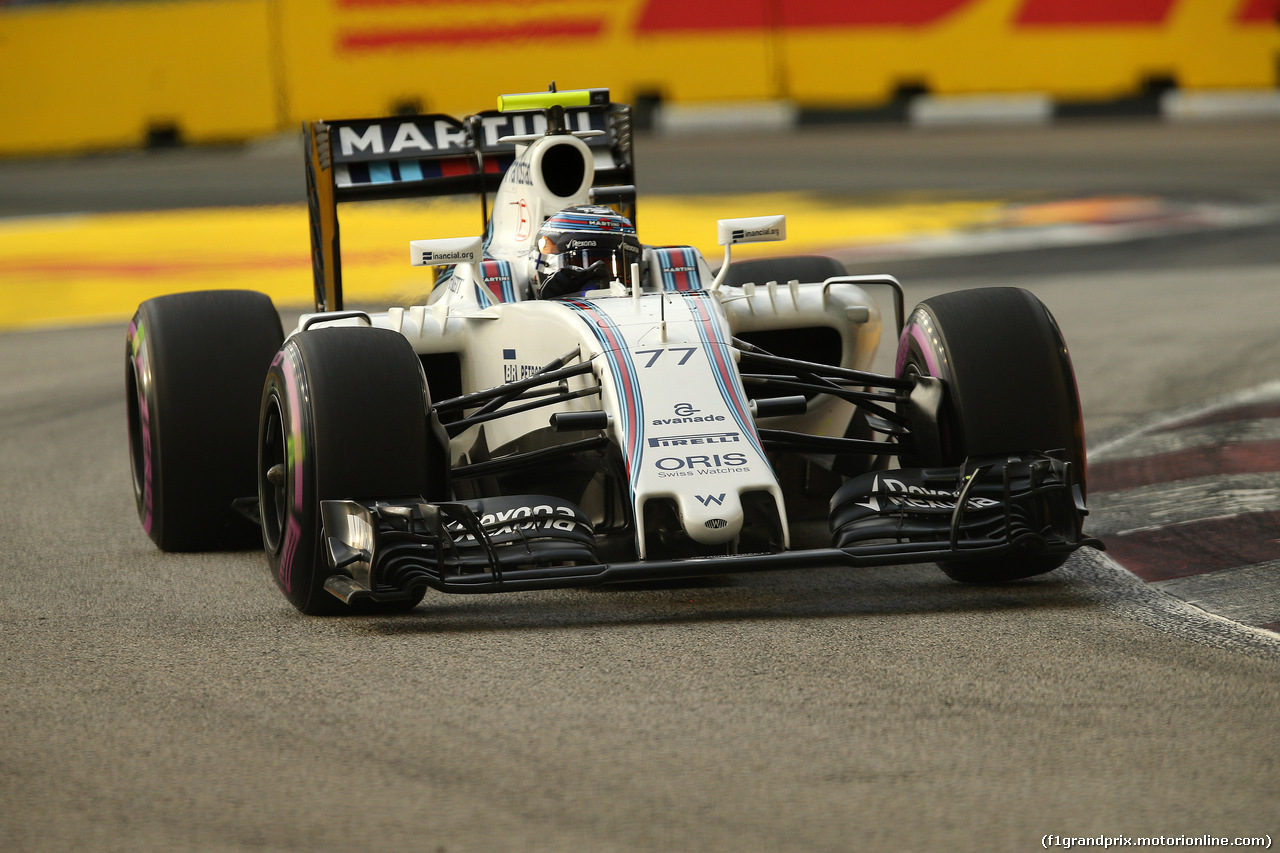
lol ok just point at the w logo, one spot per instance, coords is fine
(708, 500)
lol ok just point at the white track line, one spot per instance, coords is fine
(1110, 584)
(1266, 392)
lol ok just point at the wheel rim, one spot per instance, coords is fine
(273, 496)
(946, 438)
(137, 453)
(137, 384)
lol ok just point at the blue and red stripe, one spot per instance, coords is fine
(497, 272)
(625, 378)
(717, 349)
(568, 220)
(679, 268)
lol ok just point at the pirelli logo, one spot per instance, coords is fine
(688, 440)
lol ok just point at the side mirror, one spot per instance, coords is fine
(446, 252)
(753, 229)
(468, 251)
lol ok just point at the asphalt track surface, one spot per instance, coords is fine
(176, 702)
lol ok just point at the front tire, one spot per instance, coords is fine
(344, 415)
(194, 364)
(1009, 387)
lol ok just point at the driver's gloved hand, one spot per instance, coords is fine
(569, 280)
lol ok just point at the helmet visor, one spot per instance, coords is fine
(615, 252)
(617, 266)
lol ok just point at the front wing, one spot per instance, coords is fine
(1028, 504)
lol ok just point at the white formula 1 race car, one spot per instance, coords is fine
(572, 408)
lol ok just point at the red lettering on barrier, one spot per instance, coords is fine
(868, 13)
(1259, 12)
(711, 15)
(1094, 12)
(389, 39)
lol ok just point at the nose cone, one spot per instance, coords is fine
(711, 518)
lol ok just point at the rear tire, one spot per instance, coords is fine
(193, 377)
(345, 414)
(1008, 387)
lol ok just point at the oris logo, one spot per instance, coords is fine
(709, 462)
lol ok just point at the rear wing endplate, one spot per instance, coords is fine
(416, 156)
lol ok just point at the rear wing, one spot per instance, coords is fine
(417, 156)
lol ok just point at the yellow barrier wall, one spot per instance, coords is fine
(1070, 49)
(361, 56)
(98, 75)
(89, 75)
(354, 57)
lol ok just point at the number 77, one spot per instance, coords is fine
(656, 353)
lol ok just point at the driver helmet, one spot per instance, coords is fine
(577, 237)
